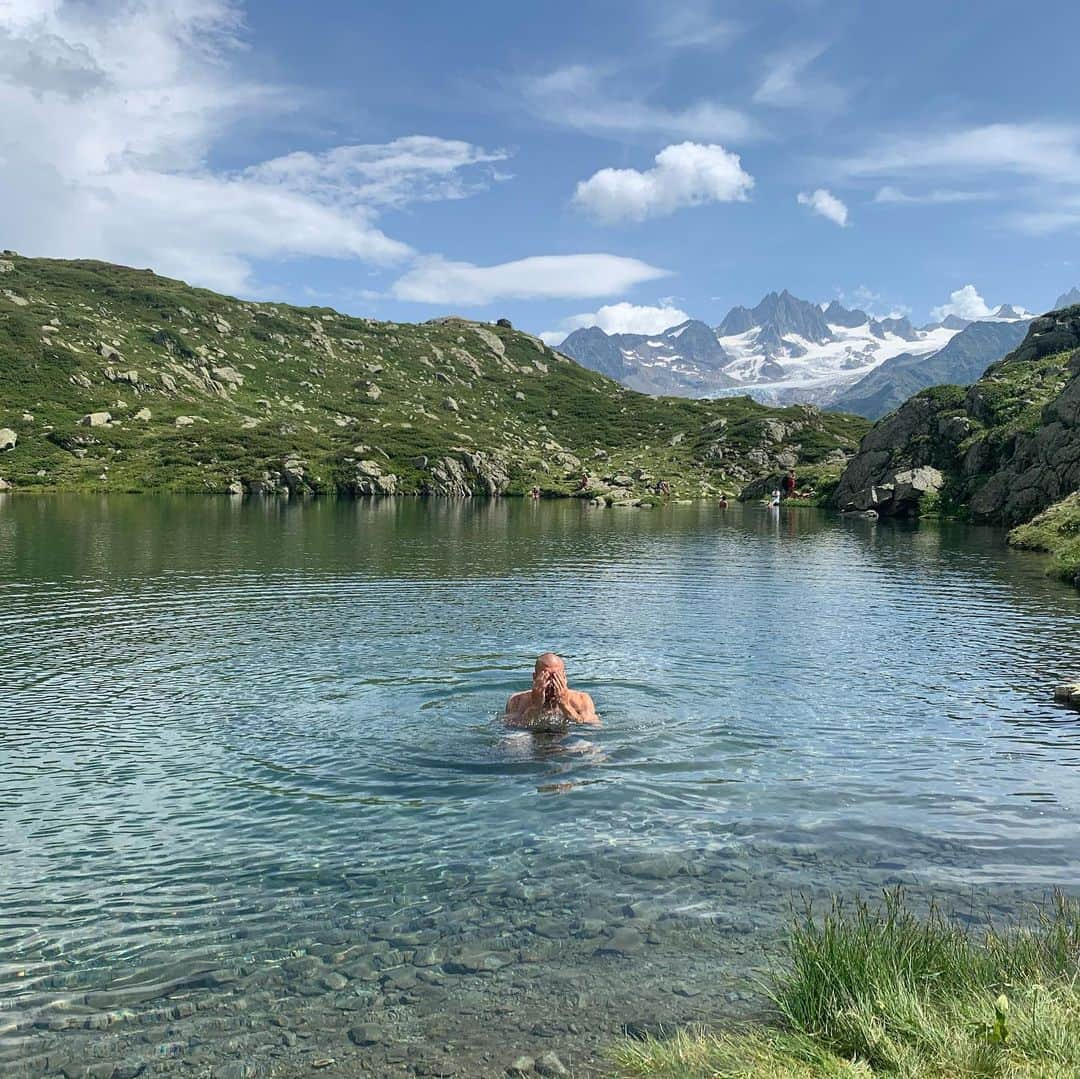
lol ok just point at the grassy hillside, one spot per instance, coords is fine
(117, 379)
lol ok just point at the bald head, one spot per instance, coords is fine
(549, 662)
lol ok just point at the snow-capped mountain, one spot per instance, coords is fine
(686, 359)
(781, 351)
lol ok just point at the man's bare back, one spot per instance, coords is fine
(551, 703)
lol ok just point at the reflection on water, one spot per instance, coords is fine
(256, 788)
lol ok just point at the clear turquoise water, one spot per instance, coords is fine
(248, 746)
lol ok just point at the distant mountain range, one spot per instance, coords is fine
(788, 350)
(962, 361)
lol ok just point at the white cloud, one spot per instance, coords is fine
(1065, 215)
(1045, 151)
(1042, 159)
(872, 303)
(417, 168)
(964, 303)
(111, 113)
(591, 99)
(787, 84)
(693, 25)
(687, 174)
(891, 194)
(620, 318)
(826, 204)
(439, 281)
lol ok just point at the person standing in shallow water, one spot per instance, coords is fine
(550, 701)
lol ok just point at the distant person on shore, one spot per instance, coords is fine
(723, 503)
(550, 703)
(788, 484)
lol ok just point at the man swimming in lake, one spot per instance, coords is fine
(550, 702)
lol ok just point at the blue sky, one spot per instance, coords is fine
(557, 163)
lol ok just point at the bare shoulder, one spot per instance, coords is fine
(584, 705)
(517, 702)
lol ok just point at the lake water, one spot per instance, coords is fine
(257, 811)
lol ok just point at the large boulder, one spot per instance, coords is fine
(96, 419)
(470, 473)
(8, 438)
(228, 375)
(897, 493)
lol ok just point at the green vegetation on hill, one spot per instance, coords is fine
(1056, 531)
(881, 991)
(117, 379)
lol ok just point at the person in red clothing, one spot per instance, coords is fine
(787, 485)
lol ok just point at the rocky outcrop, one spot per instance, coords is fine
(370, 478)
(1002, 451)
(469, 474)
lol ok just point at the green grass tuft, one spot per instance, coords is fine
(880, 990)
(1057, 531)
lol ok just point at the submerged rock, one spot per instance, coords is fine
(365, 1034)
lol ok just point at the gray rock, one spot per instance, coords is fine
(108, 352)
(130, 378)
(236, 1069)
(624, 941)
(524, 1065)
(185, 421)
(228, 375)
(450, 405)
(96, 419)
(334, 981)
(657, 867)
(549, 1065)
(474, 962)
(365, 1034)
(143, 414)
(5, 486)
(8, 438)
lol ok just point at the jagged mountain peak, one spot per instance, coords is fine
(836, 314)
(782, 349)
(1068, 299)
